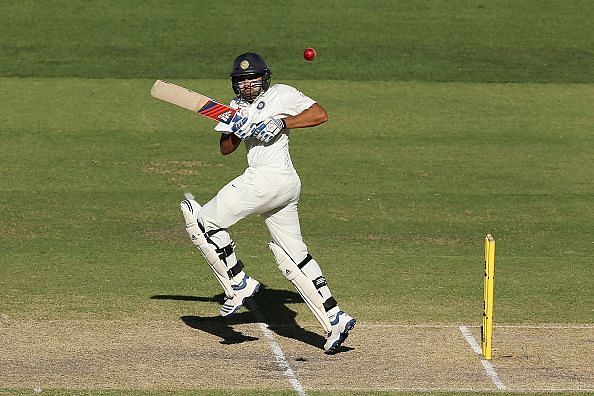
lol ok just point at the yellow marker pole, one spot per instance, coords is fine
(487, 328)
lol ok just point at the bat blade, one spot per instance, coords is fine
(192, 101)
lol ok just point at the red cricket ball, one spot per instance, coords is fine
(309, 54)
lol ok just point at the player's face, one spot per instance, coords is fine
(250, 86)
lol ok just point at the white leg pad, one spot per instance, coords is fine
(190, 209)
(303, 284)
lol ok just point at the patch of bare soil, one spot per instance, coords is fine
(195, 353)
(130, 355)
(559, 357)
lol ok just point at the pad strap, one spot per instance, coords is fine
(209, 233)
(223, 252)
(330, 303)
(226, 251)
(236, 269)
(212, 232)
(306, 260)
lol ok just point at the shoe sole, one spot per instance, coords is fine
(343, 336)
(242, 301)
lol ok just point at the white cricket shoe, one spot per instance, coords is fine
(341, 325)
(244, 289)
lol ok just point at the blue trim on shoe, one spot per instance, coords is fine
(336, 318)
(241, 284)
(251, 295)
(229, 309)
(343, 336)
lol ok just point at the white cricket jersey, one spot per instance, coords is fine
(279, 101)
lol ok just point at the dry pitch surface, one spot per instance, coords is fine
(197, 353)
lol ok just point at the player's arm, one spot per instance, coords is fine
(270, 127)
(228, 143)
(315, 115)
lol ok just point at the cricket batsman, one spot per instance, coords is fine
(269, 187)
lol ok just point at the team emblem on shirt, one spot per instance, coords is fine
(260, 105)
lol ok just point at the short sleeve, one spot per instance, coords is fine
(292, 100)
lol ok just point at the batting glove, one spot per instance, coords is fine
(240, 126)
(267, 129)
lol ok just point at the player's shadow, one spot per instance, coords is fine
(267, 305)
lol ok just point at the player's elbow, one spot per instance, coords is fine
(228, 143)
(321, 115)
(324, 117)
(227, 149)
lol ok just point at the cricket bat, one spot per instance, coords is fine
(192, 101)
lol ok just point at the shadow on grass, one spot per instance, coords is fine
(268, 306)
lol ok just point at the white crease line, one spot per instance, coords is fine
(486, 364)
(546, 327)
(279, 356)
(487, 391)
(499, 326)
(470, 339)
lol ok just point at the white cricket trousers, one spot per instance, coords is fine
(270, 192)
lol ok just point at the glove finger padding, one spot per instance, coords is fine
(240, 126)
(268, 129)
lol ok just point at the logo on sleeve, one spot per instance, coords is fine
(260, 105)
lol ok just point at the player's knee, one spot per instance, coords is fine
(203, 221)
(296, 251)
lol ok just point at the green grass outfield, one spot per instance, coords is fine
(398, 192)
(448, 120)
(427, 40)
